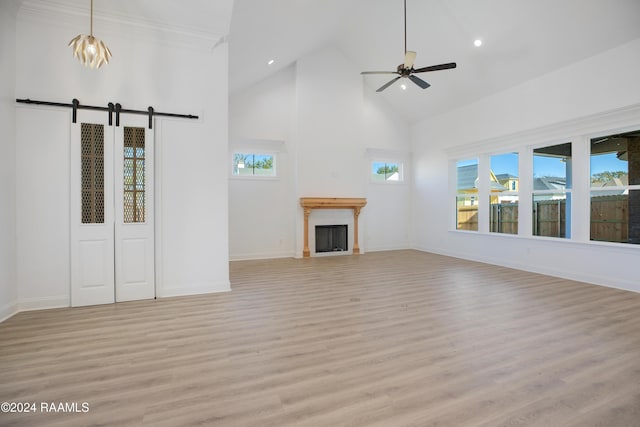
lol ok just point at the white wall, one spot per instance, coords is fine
(326, 127)
(262, 211)
(8, 284)
(42, 204)
(329, 126)
(336, 128)
(543, 110)
(264, 110)
(386, 137)
(148, 68)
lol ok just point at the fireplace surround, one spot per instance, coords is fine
(310, 203)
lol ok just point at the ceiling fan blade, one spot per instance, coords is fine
(409, 59)
(436, 67)
(419, 82)
(386, 85)
(379, 72)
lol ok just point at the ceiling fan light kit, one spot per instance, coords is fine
(406, 70)
(90, 50)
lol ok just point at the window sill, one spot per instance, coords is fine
(254, 178)
(387, 182)
(559, 240)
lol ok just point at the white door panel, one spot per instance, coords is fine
(112, 230)
(95, 257)
(133, 250)
(134, 230)
(92, 245)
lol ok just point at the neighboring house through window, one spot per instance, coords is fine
(552, 166)
(503, 210)
(584, 187)
(467, 195)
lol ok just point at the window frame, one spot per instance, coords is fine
(272, 154)
(567, 191)
(623, 188)
(475, 199)
(386, 161)
(508, 192)
(578, 131)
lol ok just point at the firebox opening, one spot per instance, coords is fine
(331, 238)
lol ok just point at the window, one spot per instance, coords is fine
(254, 164)
(503, 200)
(134, 185)
(552, 190)
(467, 195)
(615, 188)
(386, 171)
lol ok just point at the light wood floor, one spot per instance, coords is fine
(382, 339)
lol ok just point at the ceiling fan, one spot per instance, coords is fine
(406, 70)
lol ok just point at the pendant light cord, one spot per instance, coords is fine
(91, 20)
(405, 25)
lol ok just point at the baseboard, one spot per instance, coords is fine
(606, 281)
(193, 289)
(28, 304)
(400, 247)
(276, 255)
(8, 310)
(261, 255)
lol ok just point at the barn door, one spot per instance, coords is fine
(112, 248)
(134, 234)
(92, 243)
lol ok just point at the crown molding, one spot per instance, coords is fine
(65, 15)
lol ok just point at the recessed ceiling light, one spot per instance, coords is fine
(477, 42)
(271, 61)
(403, 86)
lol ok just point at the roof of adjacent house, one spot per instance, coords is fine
(505, 176)
(468, 179)
(622, 181)
(612, 182)
(549, 183)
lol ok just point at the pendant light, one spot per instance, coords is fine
(90, 51)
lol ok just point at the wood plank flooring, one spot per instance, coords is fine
(400, 338)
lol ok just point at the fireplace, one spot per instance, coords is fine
(327, 204)
(332, 238)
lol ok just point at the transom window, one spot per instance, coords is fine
(254, 164)
(386, 171)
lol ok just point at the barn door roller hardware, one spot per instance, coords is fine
(110, 109)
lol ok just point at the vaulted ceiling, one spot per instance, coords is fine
(523, 39)
(207, 18)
